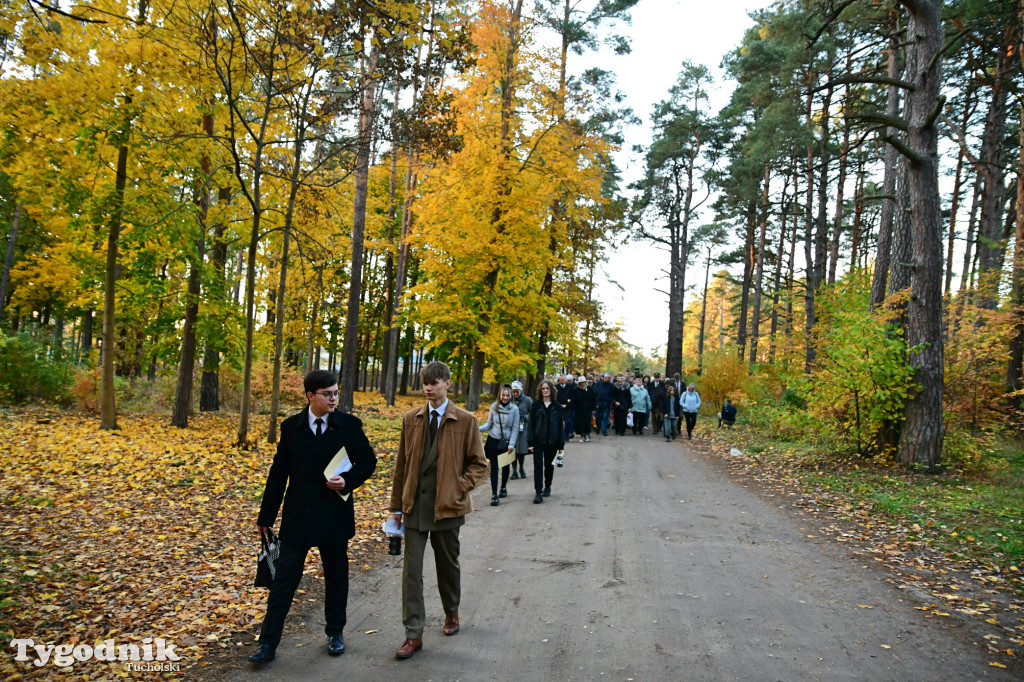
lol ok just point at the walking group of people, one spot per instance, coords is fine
(628, 402)
(518, 426)
(440, 461)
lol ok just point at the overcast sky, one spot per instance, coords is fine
(663, 34)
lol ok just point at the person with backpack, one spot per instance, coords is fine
(689, 403)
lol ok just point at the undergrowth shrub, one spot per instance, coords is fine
(27, 372)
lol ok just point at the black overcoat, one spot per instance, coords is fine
(313, 514)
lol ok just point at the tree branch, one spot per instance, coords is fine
(884, 119)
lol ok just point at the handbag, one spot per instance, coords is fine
(265, 560)
(629, 419)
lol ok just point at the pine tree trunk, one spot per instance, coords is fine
(922, 434)
(885, 223)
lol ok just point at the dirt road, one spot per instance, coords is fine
(646, 563)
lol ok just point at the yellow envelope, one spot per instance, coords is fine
(340, 463)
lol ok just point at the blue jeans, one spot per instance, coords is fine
(570, 419)
(669, 427)
(602, 419)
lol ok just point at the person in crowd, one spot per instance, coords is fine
(566, 395)
(524, 403)
(621, 403)
(669, 411)
(314, 513)
(585, 404)
(440, 461)
(657, 390)
(545, 437)
(647, 380)
(689, 403)
(502, 427)
(728, 414)
(603, 401)
(640, 401)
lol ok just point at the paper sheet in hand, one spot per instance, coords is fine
(392, 528)
(505, 458)
(339, 465)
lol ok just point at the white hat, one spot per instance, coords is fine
(580, 379)
(516, 386)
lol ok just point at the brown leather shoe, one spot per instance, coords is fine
(451, 624)
(408, 648)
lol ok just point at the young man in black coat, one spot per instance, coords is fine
(314, 513)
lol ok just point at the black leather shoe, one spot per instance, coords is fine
(503, 493)
(538, 498)
(494, 500)
(547, 491)
(335, 645)
(265, 654)
(514, 476)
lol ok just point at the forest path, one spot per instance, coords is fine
(646, 563)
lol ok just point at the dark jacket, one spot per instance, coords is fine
(657, 391)
(313, 514)
(729, 413)
(566, 394)
(547, 425)
(584, 405)
(603, 393)
(622, 396)
(669, 401)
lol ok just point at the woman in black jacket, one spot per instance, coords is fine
(545, 436)
(670, 412)
(584, 404)
(621, 403)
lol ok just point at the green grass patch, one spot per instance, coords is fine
(974, 511)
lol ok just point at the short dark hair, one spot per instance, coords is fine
(434, 371)
(317, 379)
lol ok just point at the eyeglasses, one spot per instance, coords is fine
(329, 394)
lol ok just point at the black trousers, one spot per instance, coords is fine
(543, 466)
(286, 579)
(620, 421)
(491, 450)
(639, 422)
(691, 421)
(521, 459)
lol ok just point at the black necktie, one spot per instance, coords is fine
(433, 425)
(319, 426)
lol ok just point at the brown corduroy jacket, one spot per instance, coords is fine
(461, 464)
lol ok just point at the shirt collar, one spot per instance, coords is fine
(313, 418)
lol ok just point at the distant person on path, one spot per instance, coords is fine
(640, 404)
(545, 438)
(502, 427)
(728, 414)
(524, 404)
(689, 403)
(440, 461)
(622, 401)
(670, 412)
(566, 396)
(585, 404)
(314, 513)
(603, 399)
(657, 390)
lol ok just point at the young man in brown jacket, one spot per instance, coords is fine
(440, 461)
